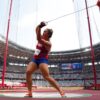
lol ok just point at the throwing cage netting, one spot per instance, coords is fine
(77, 66)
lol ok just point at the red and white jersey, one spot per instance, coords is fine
(41, 51)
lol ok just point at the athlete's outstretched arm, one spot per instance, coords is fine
(47, 44)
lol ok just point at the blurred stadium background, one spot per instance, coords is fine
(69, 68)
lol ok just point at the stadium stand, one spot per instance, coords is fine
(18, 58)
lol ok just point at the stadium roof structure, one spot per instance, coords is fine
(20, 54)
(14, 51)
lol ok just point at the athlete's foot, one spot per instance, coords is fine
(62, 94)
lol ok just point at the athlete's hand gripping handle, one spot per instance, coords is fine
(42, 24)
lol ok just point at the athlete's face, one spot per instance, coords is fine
(45, 34)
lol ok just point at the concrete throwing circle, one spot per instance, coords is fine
(44, 95)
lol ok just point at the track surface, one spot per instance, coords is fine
(91, 95)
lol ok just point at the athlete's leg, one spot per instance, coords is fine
(45, 72)
(32, 67)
